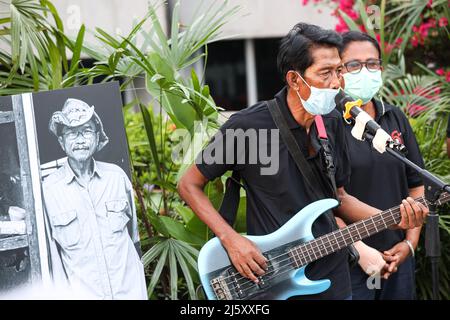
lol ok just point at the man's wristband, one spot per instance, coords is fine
(411, 248)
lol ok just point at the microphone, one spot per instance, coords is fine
(364, 125)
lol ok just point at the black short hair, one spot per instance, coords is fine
(295, 48)
(352, 36)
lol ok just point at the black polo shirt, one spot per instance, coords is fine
(378, 179)
(273, 199)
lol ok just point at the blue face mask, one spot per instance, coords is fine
(321, 101)
(363, 85)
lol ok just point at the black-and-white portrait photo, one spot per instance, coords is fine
(67, 211)
(90, 215)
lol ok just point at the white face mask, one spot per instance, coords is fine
(321, 101)
(363, 85)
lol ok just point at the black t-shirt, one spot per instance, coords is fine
(272, 199)
(378, 179)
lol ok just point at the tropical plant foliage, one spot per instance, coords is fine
(174, 233)
(37, 53)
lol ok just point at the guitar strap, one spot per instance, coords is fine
(230, 203)
(328, 157)
(304, 167)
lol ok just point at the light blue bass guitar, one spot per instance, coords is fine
(288, 251)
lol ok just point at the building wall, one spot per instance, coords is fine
(255, 19)
(113, 16)
(266, 18)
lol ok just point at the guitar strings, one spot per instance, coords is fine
(394, 210)
(339, 232)
(289, 264)
(344, 237)
(247, 281)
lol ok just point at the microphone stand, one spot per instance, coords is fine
(434, 187)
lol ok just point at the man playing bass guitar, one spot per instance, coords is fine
(309, 62)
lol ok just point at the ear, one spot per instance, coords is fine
(293, 80)
(61, 143)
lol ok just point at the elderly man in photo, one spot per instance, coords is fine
(90, 212)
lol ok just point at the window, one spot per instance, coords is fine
(225, 74)
(269, 81)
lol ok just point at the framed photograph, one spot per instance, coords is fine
(86, 223)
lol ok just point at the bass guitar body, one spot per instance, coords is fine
(284, 278)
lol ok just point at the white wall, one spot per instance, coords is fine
(255, 19)
(113, 16)
(266, 18)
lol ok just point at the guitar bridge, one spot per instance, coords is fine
(220, 288)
